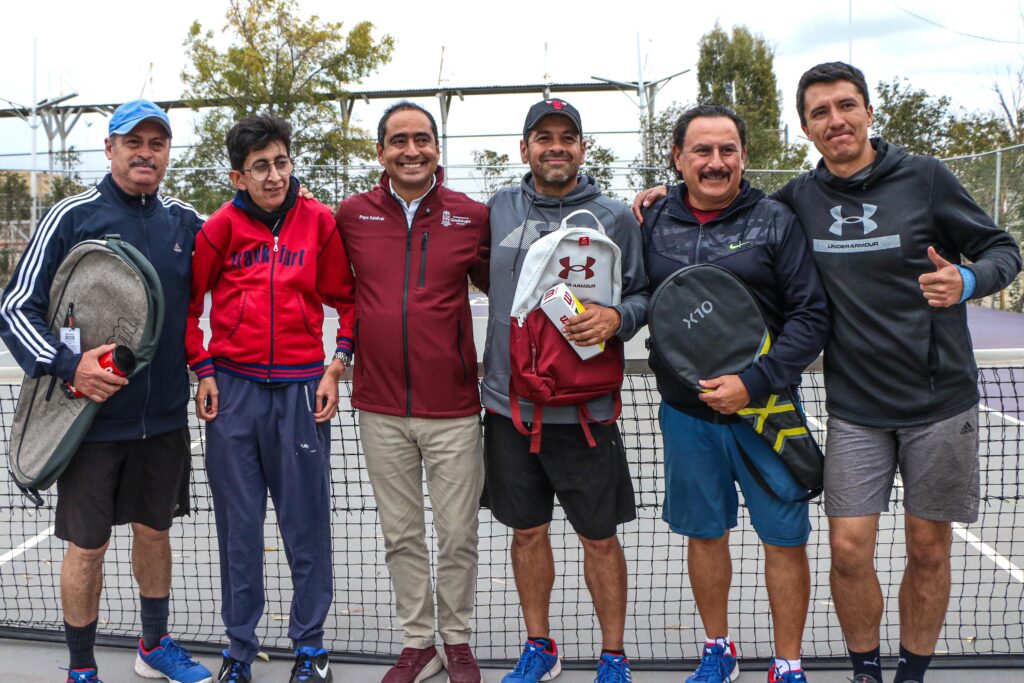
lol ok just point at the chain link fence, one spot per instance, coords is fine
(995, 179)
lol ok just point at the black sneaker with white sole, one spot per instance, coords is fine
(312, 665)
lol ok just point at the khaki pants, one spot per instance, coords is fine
(397, 449)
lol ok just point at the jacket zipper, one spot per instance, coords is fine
(273, 259)
(423, 260)
(405, 303)
(696, 247)
(149, 376)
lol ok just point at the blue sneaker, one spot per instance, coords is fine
(718, 664)
(613, 669)
(534, 665)
(234, 670)
(83, 676)
(171, 661)
(311, 664)
(789, 677)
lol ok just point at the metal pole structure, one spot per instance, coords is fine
(849, 35)
(995, 214)
(34, 124)
(641, 93)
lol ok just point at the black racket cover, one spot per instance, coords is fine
(705, 323)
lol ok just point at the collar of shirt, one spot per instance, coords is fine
(410, 208)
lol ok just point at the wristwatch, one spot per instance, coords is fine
(344, 356)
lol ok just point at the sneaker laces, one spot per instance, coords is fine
(531, 654)
(178, 654)
(82, 675)
(407, 657)
(460, 654)
(613, 670)
(237, 671)
(709, 668)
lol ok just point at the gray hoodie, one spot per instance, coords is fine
(518, 217)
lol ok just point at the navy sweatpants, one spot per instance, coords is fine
(266, 439)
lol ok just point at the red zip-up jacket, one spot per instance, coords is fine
(414, 330)
(267, 315)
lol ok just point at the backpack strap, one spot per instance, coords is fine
(597, 222)
(585, 418)
(763, 483)
(517, 420)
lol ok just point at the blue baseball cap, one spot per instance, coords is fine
(131, 114)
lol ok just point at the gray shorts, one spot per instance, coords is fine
(938, 463)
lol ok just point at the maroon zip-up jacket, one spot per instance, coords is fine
(414, 331)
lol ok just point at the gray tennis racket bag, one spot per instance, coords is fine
(114, 295)
(704, 323)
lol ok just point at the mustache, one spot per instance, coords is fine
(562, 157)
(142, 162)
(714, 175)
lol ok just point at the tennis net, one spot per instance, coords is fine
(985, 614)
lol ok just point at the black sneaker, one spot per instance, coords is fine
(234, 670)
(311, 664)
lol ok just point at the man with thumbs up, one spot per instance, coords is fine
(887, 230)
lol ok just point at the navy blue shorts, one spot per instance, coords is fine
(703, 464)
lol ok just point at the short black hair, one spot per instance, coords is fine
(254, 133)
(703, 111)
(403, 105)
(829, 72)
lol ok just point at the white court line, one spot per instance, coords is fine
(960, 530)
(1011, 420)
(30, 543)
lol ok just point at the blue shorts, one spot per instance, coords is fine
(703, 464)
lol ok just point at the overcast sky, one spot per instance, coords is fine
(103, 50)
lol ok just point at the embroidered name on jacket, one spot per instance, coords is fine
(262, 254)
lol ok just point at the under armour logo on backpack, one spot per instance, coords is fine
(567, 267)
(869, 225)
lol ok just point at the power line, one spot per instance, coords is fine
(953, 30)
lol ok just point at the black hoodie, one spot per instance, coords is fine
(892, 359)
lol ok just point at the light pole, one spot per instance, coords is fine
(30, 115)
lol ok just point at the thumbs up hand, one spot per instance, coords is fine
(945, 286)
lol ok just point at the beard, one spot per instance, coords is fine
(557, 178)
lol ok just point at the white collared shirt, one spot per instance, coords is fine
(410, 208)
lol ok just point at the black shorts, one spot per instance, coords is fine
(116, 482)
(593, 485)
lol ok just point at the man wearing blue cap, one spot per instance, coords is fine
(134, 463)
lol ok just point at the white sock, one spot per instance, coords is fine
(786, 665)
(721, 640)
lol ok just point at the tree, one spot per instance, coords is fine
(69, 181)
(654, 165)
(738, 71)
(494, 169)
(599, 164)
(285, 63)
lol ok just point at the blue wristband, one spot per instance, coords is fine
(970, 282)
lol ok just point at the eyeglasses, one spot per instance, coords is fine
(260, 171)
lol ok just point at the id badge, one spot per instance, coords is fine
(72, 338)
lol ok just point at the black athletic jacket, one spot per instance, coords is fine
(758, 240)
(892, 359)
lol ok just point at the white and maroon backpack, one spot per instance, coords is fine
(546, 370)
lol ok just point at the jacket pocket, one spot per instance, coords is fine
(423, 260)
(300, 303)
(240, 317)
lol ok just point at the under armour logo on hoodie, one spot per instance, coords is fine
(869, 225)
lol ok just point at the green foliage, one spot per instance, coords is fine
(738, 71)
(15, 199)
(283, 62)
(494, 169)
(69, 181)
(599, 164)
(653, 166)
